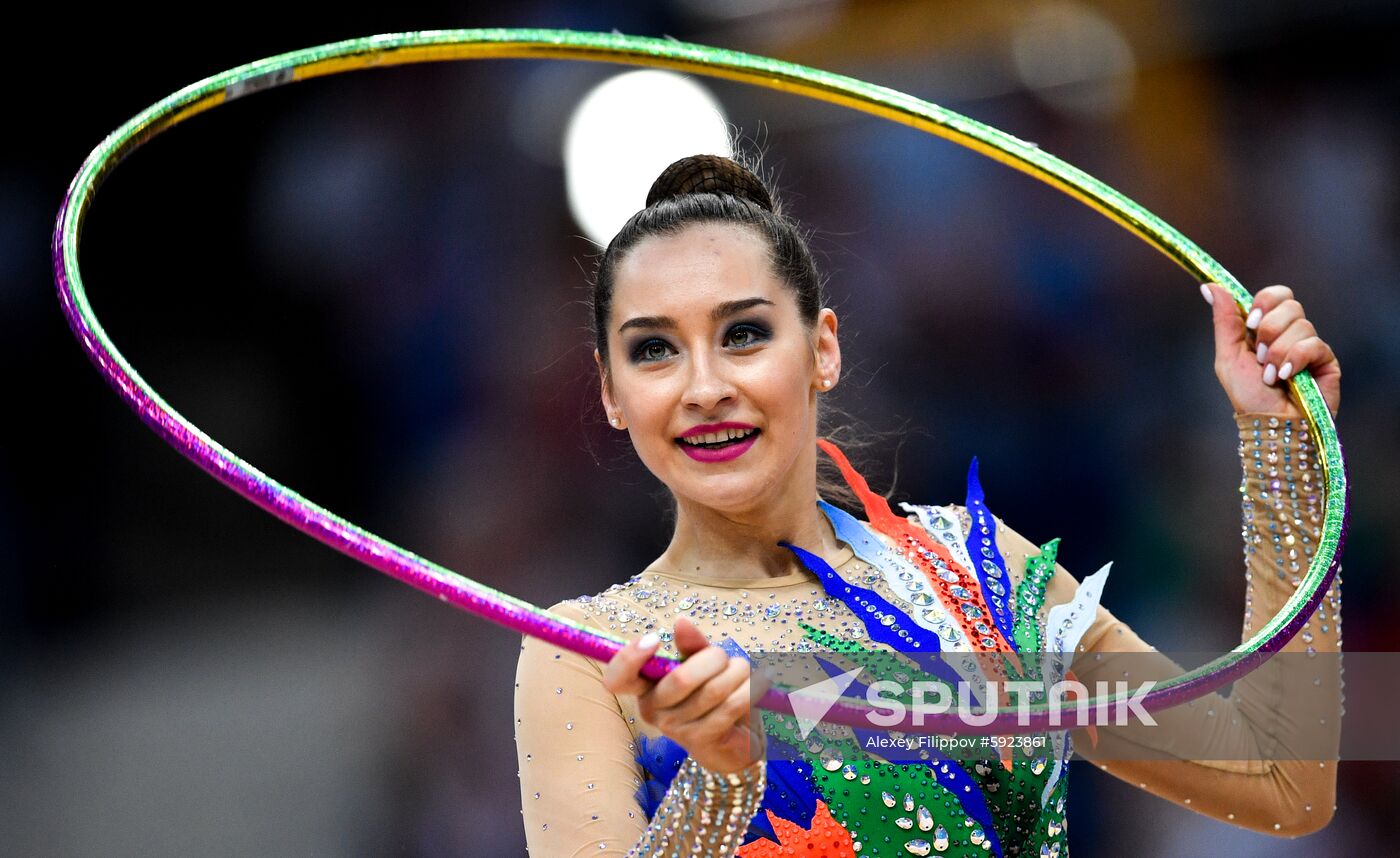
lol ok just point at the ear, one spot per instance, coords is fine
(826, 350)
(609, 404)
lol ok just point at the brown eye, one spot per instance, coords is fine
(651, 350)
(743, 336)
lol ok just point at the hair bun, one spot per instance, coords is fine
(708, 174)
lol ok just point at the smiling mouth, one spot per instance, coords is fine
(718, 440)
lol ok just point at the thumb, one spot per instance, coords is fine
(689, 638)
(1230, 336)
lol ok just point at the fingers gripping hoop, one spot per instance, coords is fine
(513, 613)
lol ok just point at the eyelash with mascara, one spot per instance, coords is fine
(758, 331)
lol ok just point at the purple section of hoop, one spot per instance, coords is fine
(276, 500)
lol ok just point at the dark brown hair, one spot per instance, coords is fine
(716, 189)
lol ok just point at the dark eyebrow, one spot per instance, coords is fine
(721, 311)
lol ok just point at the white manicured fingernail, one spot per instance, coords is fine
(1205, 293)
(1285, 371)
(649, 640)
(1261, 351)
(1270, 374)
(1252, 321)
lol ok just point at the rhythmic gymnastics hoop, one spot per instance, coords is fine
(506, 610)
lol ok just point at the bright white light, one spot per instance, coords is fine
(624, 133)
(1074, 59)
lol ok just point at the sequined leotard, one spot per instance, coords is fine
(597, 780)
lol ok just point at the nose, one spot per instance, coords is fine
(708, 386)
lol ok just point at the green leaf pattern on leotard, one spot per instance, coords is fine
(899, 809)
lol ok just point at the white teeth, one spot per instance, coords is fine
(716, 437)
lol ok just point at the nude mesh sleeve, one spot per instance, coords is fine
(579, 775)
(1265, 756)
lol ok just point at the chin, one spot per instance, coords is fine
(727, 493)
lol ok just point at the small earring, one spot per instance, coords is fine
(616, 422)
(826, 382)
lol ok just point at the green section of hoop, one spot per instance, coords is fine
(438, 45)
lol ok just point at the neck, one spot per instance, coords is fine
(719, 545)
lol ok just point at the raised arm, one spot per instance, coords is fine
(579, 776)
(1264, 757)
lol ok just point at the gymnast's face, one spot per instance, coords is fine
(712, 371)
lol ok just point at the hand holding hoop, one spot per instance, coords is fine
(1256, 352)
(703, 705)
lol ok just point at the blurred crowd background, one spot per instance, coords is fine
(371, 286)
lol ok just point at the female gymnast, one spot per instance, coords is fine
(715, 350)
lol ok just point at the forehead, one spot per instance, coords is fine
(687, 273)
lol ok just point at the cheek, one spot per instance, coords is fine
(649, 401)
(796, 371)
(782, 393)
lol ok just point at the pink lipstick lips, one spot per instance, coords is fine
(718, 450)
